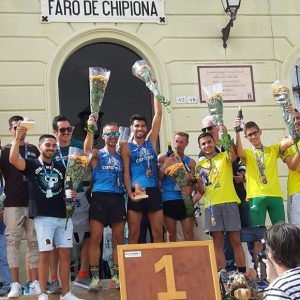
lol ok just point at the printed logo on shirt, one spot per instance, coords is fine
(49, 181)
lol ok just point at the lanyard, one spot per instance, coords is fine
(260, 163)
(61, 156)
(117, 168)
(44, 168)
(145, 155)
(206, 181)
(114, 162)
(25, 151)
(49, 193)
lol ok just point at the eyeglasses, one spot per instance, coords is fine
(112, 133)
(15, 127)
(65, 129)
(252, 134)
(207, 129)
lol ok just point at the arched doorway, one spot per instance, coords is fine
(125, 95)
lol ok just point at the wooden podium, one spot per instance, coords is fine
(168, 271)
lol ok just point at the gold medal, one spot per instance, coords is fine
(213, 221)
(149, 172)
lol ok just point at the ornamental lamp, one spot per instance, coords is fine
(230, 7)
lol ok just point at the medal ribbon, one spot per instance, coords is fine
(116, 166)
(61, 156)
(44, 169)
(210, 206)
(260, 161)
(145, 155)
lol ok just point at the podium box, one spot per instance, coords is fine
(165, 271)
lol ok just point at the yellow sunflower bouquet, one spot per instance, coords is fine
(98, 82)
(76, 169)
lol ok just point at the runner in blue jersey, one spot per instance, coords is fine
(107, 203)
(173, 205)
(62, 129)
(140, 168)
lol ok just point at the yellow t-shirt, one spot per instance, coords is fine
(293, 185)
(221, 188)
(254, 186)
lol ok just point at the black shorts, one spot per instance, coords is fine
(175, 209)
(108, 208)
(146, 205)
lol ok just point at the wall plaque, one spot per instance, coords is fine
(237, 82)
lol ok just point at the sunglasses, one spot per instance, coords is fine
(112, 133)
(65, 129)
(251, 134)
(207, 129)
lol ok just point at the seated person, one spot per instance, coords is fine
(283, 262)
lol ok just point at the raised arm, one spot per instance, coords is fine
(285, 143)
(292, 162)
(233, 153)
(239, 146)
(88, 143)
(156, 122)
(14, 158)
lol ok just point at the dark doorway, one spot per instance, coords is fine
(125, 94)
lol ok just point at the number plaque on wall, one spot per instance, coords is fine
(168, 271)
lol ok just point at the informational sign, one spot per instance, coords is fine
(186, 100)
(168, 271)
(237, 82)
(145, 11)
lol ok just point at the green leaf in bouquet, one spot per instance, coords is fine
(70, 208)
(226, 142)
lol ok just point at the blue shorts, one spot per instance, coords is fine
(51, 231)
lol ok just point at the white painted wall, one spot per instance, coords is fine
(264, 35)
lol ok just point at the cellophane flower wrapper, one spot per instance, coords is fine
(142, 71)
(215, 108)
(2, 198)
(125, 136)
(176, 170)
(98, 82)
(281, 95)
(76, 168)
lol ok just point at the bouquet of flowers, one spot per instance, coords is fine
(281, 95)
(215, 108)
(76, 168)
(143, 72)
(98, 81)
(175, 169)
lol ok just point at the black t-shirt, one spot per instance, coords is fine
(41, 179)
(16, 186)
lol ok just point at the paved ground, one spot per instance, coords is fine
(104, 294)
